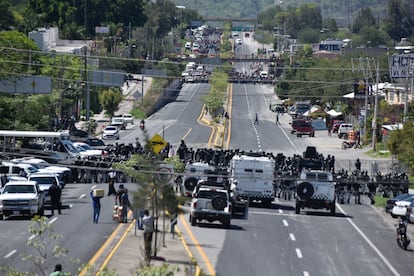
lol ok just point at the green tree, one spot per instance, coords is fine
(364, 19)
(400, 20)
(7, 19)
(309, 35)
(401, 144)
(110, 100)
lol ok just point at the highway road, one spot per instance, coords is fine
(268, 241)
(275, 240)
(80, 236)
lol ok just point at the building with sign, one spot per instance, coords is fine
(47, 39)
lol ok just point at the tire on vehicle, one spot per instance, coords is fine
(193, 221)
(305, 190)
(333, 209)
(297, 207)
(190, 183)
(219, 203)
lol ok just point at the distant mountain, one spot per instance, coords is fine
(341, 10)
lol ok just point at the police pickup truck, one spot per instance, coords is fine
(21, 198)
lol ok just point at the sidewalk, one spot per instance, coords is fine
(128, 253)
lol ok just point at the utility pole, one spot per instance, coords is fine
(364, 65)
(87, 92)
(374, 119)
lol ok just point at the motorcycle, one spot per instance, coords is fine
(402, 240)
(347, 144)
(142, 125)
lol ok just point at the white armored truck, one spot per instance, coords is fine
(252, 178)
(315, 190)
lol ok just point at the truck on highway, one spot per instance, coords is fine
(21, 198)
(252, 178)
(315, 190)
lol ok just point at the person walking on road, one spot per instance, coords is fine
(111, 183)
(256, 120)
(96, 204)
(148, 226)
(123, 199)
(55, 196)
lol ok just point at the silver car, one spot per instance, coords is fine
(110, 132)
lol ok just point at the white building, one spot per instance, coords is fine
(48, 41)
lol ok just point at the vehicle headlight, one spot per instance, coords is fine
(34, 201)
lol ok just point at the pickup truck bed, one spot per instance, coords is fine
(305, 128)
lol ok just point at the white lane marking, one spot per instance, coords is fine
(280, 211)
(292, 237)
(299, 253)
(81, 196)
(10, 254)
(53, 220)
(93, 187)
(370, 243)
(305, 273)
(285, 223)
(31, 237)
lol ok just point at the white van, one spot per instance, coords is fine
(263, 74)
(344, 129)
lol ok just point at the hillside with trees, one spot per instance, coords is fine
(341, 11)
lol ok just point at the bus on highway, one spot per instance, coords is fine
(54, 147)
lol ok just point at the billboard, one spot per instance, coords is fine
(360, 89)
(27, 85)
(401, 66)
(108, 78)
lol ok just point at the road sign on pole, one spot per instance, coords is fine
(157, 143)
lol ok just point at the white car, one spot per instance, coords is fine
(119, 122)
(401, 207)
(86, 151)
(110, 132)
(188, 45)
(128, 118)
(239, 41)
(43, 166)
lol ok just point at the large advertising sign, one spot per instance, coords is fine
(401, 66)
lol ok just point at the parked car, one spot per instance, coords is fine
(21, 198)
(86, 151)
(110, 132)
(343, 130)
(401, 206)
(391, 202)
(119, 122)
(96, 143)
(336, 124)
(128, 118)
(295, 123)
(45, 180)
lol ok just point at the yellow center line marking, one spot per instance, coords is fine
(187, 133)
(100, 251)
(108, 258)
(197, 245)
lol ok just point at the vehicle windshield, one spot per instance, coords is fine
(110, 128)
(96, 143)
(14, 189)
(70, 147)
(44, 180)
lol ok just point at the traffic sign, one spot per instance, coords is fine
(157, 143)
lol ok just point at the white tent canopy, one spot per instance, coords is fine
(333, 113)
